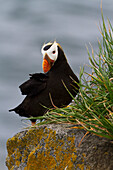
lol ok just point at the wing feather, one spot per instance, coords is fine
(34, 85)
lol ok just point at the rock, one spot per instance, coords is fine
(56, 147)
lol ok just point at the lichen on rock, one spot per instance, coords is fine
(55, 147)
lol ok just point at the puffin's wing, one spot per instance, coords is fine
(34, 85)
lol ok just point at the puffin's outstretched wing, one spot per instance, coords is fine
(34, 85)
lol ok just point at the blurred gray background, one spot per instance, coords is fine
(24, 26)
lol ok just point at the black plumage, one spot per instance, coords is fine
(46, 89)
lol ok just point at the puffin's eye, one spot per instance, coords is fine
(54, 52)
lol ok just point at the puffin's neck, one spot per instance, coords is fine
(60, 62)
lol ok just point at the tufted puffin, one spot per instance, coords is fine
(47, 89)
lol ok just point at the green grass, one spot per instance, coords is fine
(93, 107)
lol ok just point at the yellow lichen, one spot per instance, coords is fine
(56, 154)
(82, 167)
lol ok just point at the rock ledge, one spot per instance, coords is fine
(55, 147)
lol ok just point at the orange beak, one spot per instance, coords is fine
(47, 63)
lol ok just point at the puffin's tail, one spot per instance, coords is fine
(19, 110)
(16, 109)
(11, 110)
